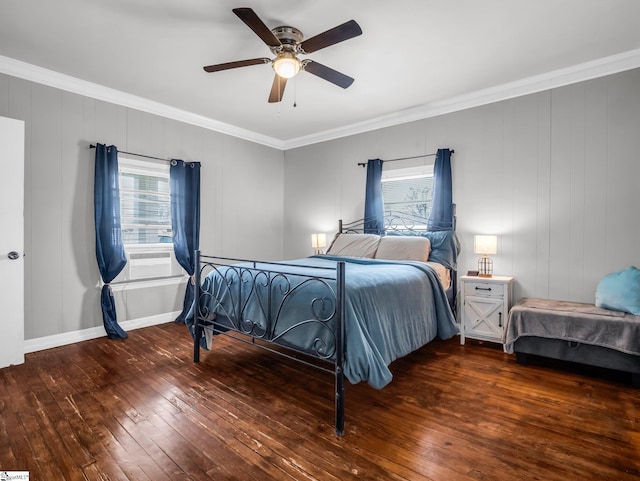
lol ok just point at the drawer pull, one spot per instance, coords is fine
(483, 288)
(499, 319)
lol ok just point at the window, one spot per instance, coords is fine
(145, 205)
(145, 212)
(408, 191)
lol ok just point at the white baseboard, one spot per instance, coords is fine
(48, 342)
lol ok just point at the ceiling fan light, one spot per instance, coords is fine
(286, 65)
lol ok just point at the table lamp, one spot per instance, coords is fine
(485, 245)
(318, 241)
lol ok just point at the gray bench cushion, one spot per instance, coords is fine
(575, 322)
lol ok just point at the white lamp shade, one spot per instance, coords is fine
(485, 244)
(318, 241)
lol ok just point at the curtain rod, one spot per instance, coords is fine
(364, 164)
(91, 146)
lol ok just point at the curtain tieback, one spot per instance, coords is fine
(193, 280)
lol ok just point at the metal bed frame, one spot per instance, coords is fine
(272, 288)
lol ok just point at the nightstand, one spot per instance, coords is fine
(485, 305)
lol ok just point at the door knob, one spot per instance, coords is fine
(13, 255)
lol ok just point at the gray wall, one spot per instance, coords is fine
(554, 174)
(61, 276)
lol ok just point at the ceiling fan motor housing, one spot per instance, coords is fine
(288, 36)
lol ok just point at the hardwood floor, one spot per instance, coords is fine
(140, 409)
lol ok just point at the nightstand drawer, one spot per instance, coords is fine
(483, 289)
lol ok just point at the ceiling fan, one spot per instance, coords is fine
(286, 43)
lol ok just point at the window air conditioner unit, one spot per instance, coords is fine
(147, 265)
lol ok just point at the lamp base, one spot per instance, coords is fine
(485, 266)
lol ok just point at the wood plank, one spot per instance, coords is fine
(16, 453)
(140, 409)
(37, 457)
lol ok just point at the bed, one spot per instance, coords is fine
(575, 332)
(373, 298)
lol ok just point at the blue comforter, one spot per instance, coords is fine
(391, 309)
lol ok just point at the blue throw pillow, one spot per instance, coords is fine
(620, 291)
(444, 245)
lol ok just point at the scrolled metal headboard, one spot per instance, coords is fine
(394, 221)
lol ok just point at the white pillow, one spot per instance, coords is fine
(399, 248)
(354, 245)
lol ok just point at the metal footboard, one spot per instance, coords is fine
(269, 304)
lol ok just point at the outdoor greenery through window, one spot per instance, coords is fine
(145, 204)
(408, 191)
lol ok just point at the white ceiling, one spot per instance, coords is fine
(413, 55)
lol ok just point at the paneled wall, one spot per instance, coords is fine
(554, 174)
(61, 275)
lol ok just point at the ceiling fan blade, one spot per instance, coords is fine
(335, 35)
(277, 89)
(252, 20)
(239, 63)
(326, 73)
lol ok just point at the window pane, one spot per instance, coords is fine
(145, 209)
(409, 196)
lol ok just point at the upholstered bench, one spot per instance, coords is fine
(576, 332)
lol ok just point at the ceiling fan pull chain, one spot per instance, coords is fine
(295, 92)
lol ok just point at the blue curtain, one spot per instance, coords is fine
(109, 248)
(373, 202)
(441, 217)
(184, 181)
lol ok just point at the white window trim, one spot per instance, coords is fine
(407, 173)
(147, 283)
(143, 167)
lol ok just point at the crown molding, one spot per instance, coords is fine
(554, 79)
(61, 81)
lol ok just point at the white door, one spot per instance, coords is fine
(11, 242)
